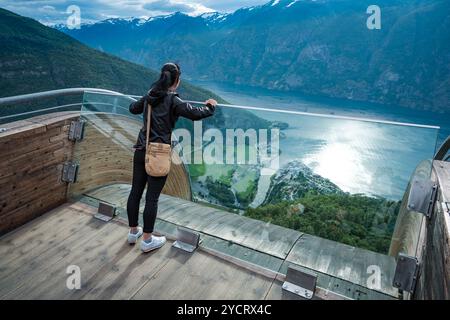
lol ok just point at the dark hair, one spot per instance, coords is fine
(170, 73)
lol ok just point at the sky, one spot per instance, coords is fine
(55, 11)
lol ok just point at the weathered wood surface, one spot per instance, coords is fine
(105, 156)
(343, 268)
(32, 153)
(30, 251)
(254, 234)
(344, 262)
(434, 280)
(35, 258)
(110, 268)
(340, 265)
(202, 276)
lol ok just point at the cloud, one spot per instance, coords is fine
(94, 10)
(229, 5)
(169, 6)
(48, 8)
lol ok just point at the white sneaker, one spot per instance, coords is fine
(133, 237)
(155, 243)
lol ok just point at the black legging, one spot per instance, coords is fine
(154, 188)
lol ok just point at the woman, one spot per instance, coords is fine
(167, 107)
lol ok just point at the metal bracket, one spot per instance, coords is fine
(422, 196)
(106, 212)
(187, 240)
(70, 172)
(76, 130)
(300, 282)
(406, 273)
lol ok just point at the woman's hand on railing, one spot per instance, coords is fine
(211, 102)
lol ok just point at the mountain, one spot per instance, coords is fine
(321, 48)
(37, 58)
(294, 181)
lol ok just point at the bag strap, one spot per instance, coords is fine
(149, 119)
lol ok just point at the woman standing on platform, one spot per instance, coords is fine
(166, 108)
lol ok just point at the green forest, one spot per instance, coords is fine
(356, 220)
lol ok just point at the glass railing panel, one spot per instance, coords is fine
(104, 155)
(334, 177)
(301, 178)
(266, 186)
(28, 110)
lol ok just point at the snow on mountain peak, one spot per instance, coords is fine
(208, 15)
(213, 17)
(290, 4)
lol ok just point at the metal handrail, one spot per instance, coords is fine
(74, 91)
(50, 94)
(312, 114)
(40, 110)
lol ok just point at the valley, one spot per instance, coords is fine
(320, 48)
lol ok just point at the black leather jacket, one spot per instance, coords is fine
(167, 107)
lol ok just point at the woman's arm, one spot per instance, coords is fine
(185, 109)
(138, 106)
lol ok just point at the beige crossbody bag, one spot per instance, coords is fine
(157, 155)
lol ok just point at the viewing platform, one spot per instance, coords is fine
(36, 255)
(35, 258)
(47, 224)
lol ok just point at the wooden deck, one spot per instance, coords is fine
(239, 258)
(35, 258)
(35, 149)
(341, 269)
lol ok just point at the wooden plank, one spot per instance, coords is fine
(27, 243)
(116, 194)
(13, 125)
(180, 212)
(244, 257)
(23, 131)
(17, 146)
(123, 277)
(17, 160)
(31, 180)
(30, 211)
(168, 207)
(202, 276)
(40, 162)
(89, 253)
(30, 171)
(30, 195)
(15, 237)
(49, 250)
(50, 119)
(272, 239)
(434, 279)
(343, 262)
